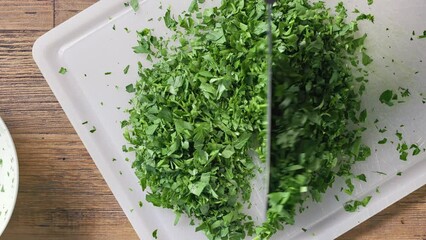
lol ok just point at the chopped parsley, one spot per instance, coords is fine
(362, 177)
(364, 16)
(126, 69)
(155, 233)
(63, 70)
(388, 97)
(134, 4)
(353, 205)
(130, 88)
(198, 115)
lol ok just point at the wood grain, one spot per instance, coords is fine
(26, 14)
(62, 195)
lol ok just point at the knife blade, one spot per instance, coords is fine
(269, 4)
(260, 185)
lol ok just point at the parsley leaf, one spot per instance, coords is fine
(135, 5)
(126, 69)
(155, 233)
(387, 97)
(353, 206)
(63, 71)
(199, 111)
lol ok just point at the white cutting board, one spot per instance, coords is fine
(88, 47)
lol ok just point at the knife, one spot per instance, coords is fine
(261, 181)
(269, 4)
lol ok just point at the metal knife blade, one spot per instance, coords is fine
(269, 4)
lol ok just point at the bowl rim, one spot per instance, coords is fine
(15, 155)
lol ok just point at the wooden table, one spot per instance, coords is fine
(62, 195)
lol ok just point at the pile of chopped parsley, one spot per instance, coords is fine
(200, 111)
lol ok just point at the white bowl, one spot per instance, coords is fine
(9, 176)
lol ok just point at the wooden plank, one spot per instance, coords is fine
(64, 9)
(26, 14)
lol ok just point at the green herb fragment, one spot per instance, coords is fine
(363, 116)
(85, 122)
(398, 135)
(93, 129)
(416, 149)
(134, 4)
(113, 27)
(130, 88)
(362, 177)
(399, 173)
(126, 69)
(404, 92)
(337, 198)
(108, 73)
(353, 206)
(403, 156)
(350, 188)
(366, 59)
(2, 188)
(424, 35)
(403, 150)
(193, 6)
(381, 173)
(388, 97)
(364, 16)
(383, 141)
(169, 21)
(370, 2)
(63, 70)
(154, 233)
